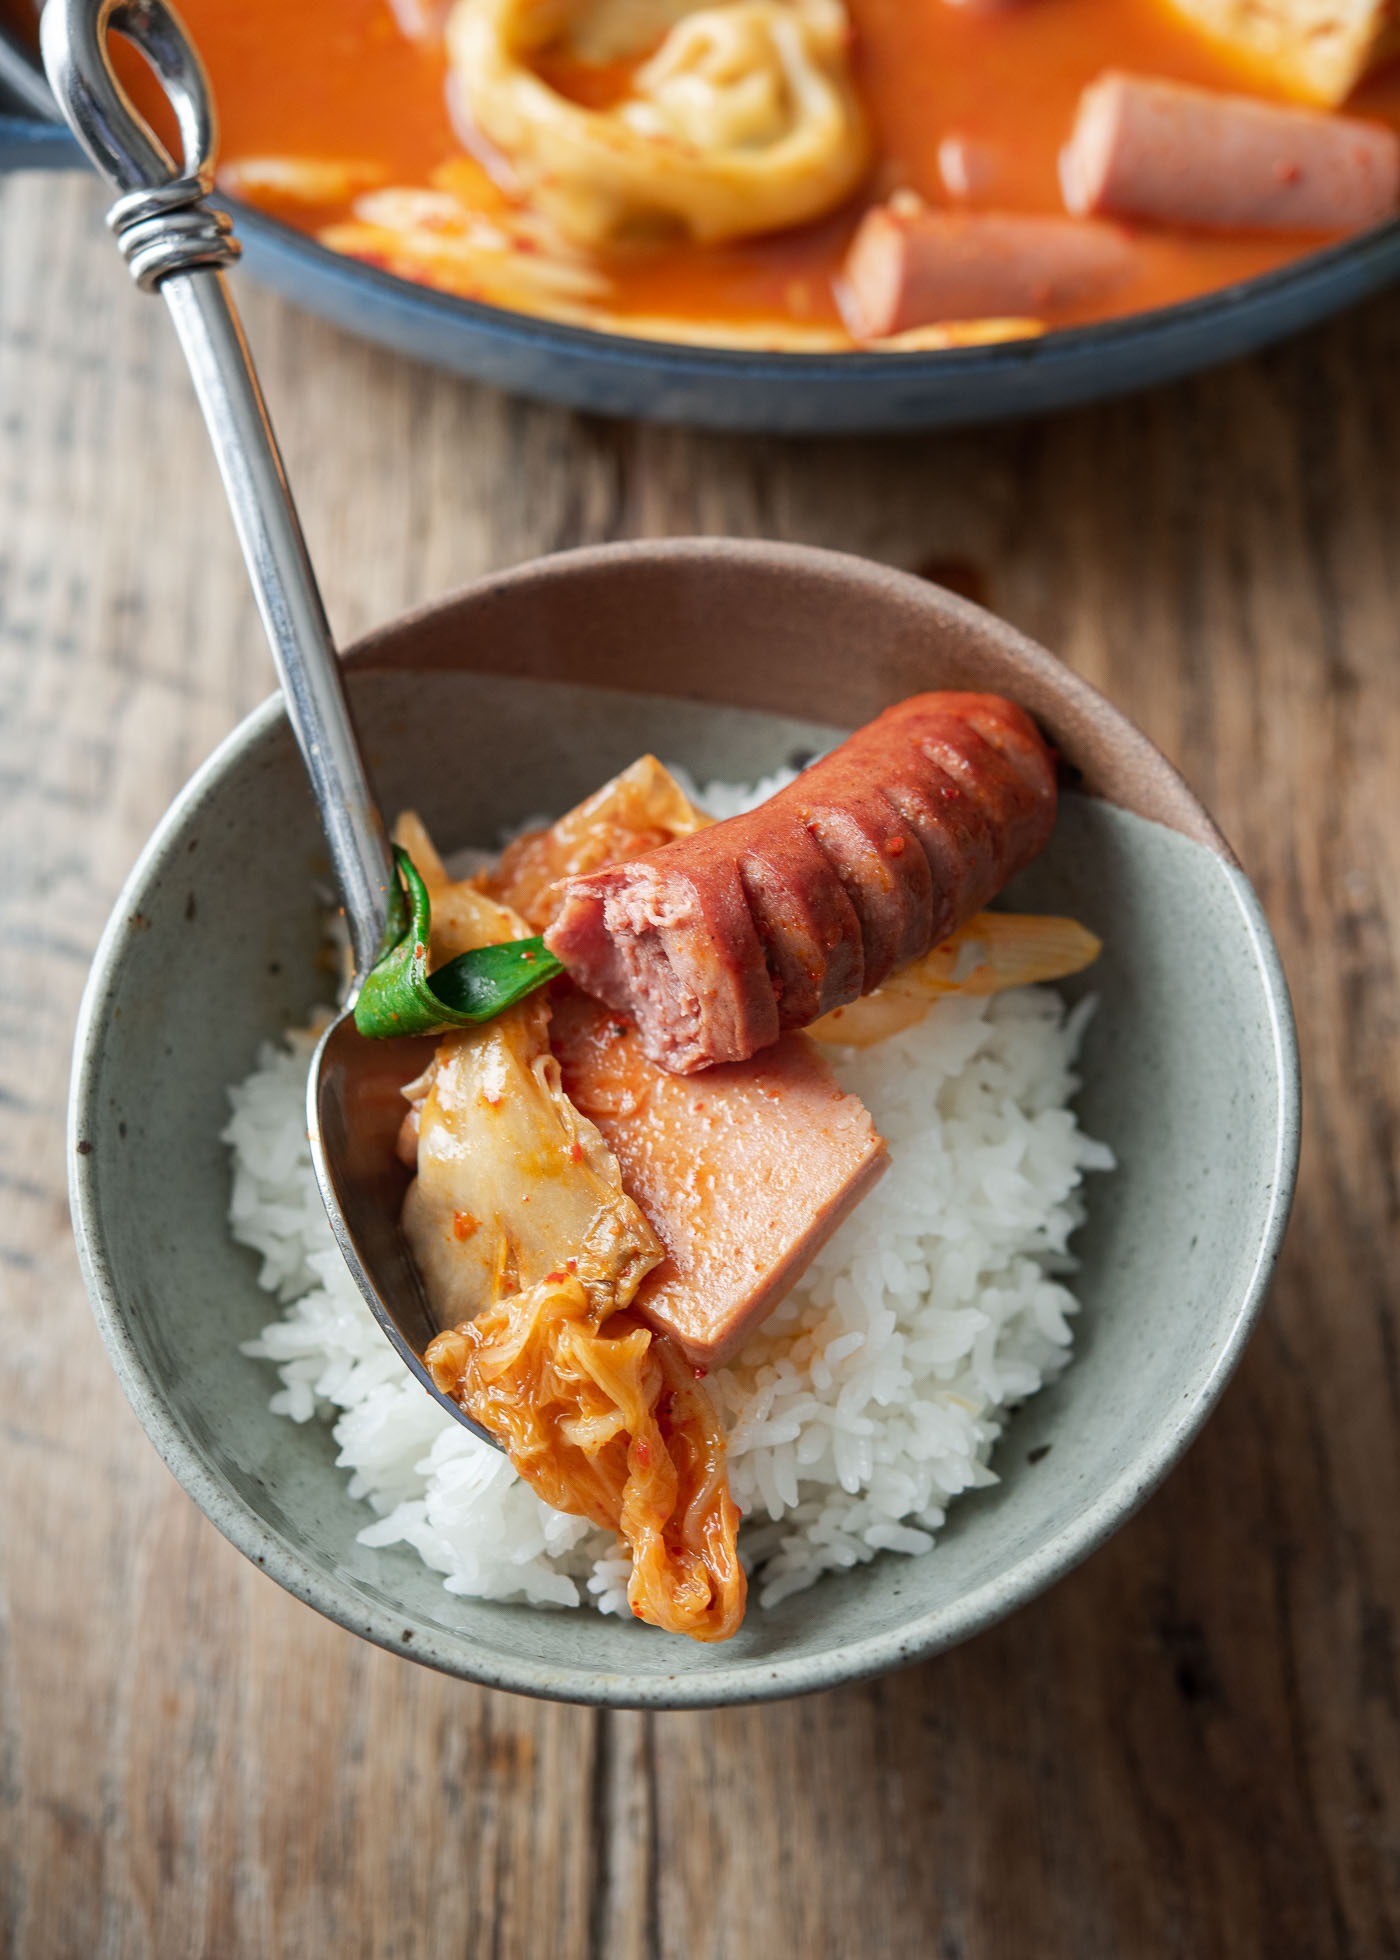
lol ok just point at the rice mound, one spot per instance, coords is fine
(869, 1399)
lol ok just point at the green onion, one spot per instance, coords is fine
(400, 996)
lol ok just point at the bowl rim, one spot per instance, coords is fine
(773, 1677)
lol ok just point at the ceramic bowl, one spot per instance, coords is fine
(525, 691)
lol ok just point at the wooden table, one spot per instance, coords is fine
(1192, 1746)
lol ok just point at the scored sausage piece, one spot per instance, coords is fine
(911, 266)
(812, 937)
(1143, 148)
(718, 942)
(743, 1173)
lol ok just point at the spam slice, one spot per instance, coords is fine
(744, 1172)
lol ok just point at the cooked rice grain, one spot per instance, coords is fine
(869, 1400)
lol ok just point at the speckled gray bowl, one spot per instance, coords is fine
(527, 690)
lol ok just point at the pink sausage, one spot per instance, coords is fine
(916, 267)
(1142, 148)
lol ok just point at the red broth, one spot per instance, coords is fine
(337, 78)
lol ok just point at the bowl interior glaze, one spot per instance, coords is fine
(520, 695)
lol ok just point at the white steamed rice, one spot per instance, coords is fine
(869, 1399)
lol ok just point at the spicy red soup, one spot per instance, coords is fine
(438, 147)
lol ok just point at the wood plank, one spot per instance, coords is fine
(1190, 1747)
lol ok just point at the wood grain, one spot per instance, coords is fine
(1192, 1746)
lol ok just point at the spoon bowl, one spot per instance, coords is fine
(354, 1110)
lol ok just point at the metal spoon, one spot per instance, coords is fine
(175, 244)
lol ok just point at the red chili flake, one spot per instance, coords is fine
(895, 846)
(642, 1452)
(699, 1373)
(463, 1224)
(576, 1152)
(555, 1278)
(572, 1265)
(529, 957)
(419, 950)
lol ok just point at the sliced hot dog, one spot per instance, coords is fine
(719, 941)
(1143, 148)
(913, 266)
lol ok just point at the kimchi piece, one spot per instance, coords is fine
(990, 953)
(638, 811)
(533, 1252)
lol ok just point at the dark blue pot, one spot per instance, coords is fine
(781, 393)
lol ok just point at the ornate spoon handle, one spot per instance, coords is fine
(175, 244)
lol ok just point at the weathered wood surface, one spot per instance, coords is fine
(1192, 1746)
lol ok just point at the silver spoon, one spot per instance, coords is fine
(175, 244)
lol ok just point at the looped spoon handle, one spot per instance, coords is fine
(173, 243)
